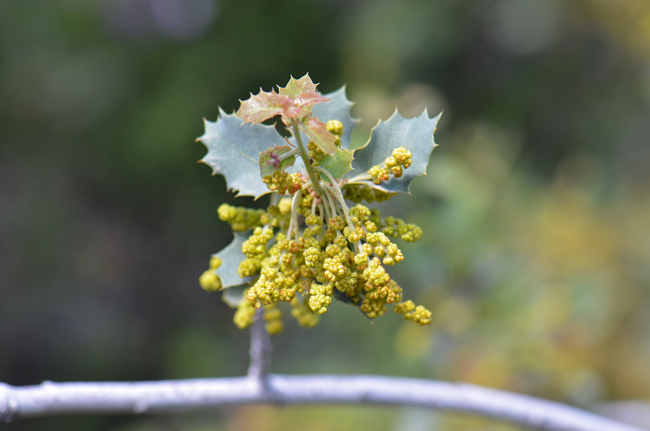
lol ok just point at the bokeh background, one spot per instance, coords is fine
(536, 255)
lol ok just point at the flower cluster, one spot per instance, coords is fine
(419, 314)
(327, 255)
(209, 280)
(309, 248)
(282, 182)
(240, 219)
(394, 165)
(362, 192)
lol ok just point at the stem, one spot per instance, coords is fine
(293, 224)
(361, 177)
(285, 156)
(260, 351)
(330, 200)
(305, 158)
(51, 398)
(326, 206)
(313, 207)
(338, 195)
(321, 214)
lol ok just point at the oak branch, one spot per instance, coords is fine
(260, 387)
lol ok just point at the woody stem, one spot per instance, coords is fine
(313, 176)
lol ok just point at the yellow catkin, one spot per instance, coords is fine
(329, 249)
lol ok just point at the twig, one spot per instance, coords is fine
(260, 351)
(260, 387)
(184, 395)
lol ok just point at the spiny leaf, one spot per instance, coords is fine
(317, 132)
(343, 297)
(296, 87)
(269, 162)
(263, 106)
(338, 165)
(338, 108)
(416, 134)
(293, 101)
(302, 91)
(230, 257)
(233, 151)
(309, 99)
(234, 295)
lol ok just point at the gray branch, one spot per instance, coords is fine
(185, 395)
(260, 349)
(260, 387)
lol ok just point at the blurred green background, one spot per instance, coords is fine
(536, 255)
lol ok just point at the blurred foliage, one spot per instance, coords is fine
(536, 251)
(538, 288)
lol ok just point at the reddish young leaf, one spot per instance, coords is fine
(267, 105)
(318, 133)
(303, 93)
(296, 87)
(309, 99)
(292, 102)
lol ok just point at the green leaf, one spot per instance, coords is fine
(415, 134)
(234, 296)
(338, 165)
(265, 105)
(317, 132)
(230, 257)
(343, 297)
(234, 151)
(269, 162)
(338, 108)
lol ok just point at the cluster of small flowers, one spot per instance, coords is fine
(240, 219)
(209, 280)
(396, 227)
(362, 192)
(394, 165)
(309, 249)
(325, 257)
(282, 182)
(419, 314)
(245, 315)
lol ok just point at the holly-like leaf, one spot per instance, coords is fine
(415, 134)
(338, 108)
(234, 295)
(234, 151)
(302, 91)
(317, 132)
(270, 162)
(343, 297)
(293, 101)
(230, 257)
(263, 106)
(296, 87)
(338, 165)
(309, 99)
